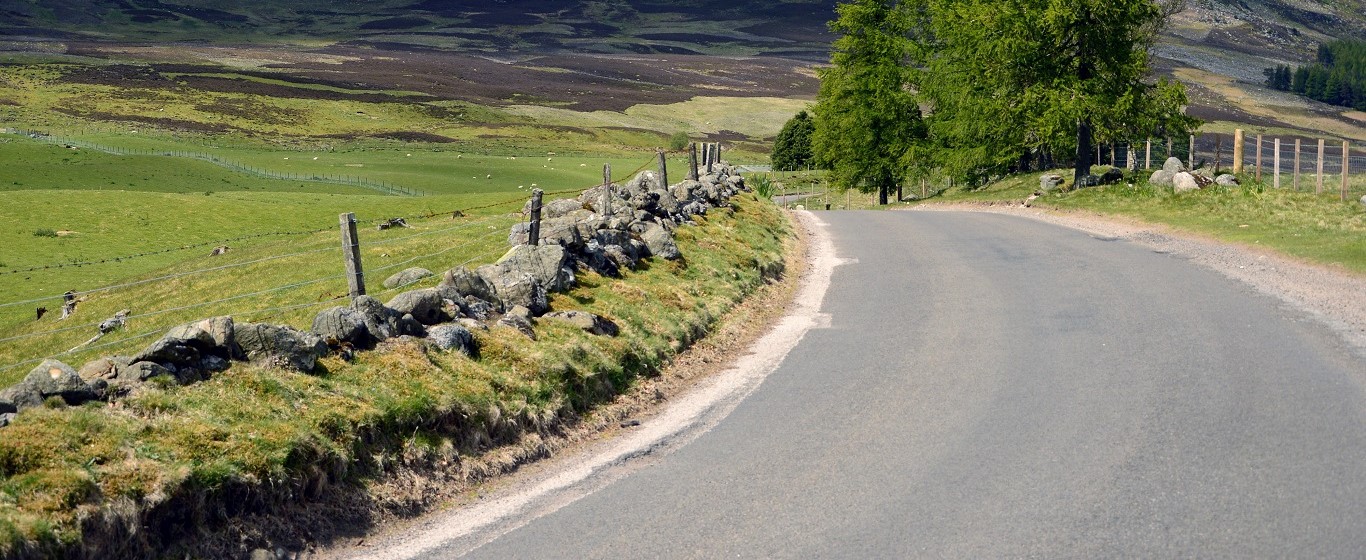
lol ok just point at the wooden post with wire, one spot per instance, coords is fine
(663, 170)
(1295, 179)
(692, 161)
(355, 277)
(1318, 185)
(1237, 151)
(1259, 158)
(534, 235)
(1346, 166)
(1276, 164)
(1191, 154)
(607, 190)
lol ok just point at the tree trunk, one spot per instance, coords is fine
(882, 194)
(899, 196)
(1083, 167)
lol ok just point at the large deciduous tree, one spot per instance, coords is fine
(792, 147)
(1014, 76)
(866, 115)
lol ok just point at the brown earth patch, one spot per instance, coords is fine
(410, 136)
(160, 122)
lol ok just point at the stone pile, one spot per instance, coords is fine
(605, 229)
(1175, 175)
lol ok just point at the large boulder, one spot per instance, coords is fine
(644, 181)
(587, 321)
(1162, 178)
(459, 282)
(451, 336)
(280, 346)
(56, 379)
(660, 242)
(427, 306)
(187, 345)
(20, 397)
(407, 276)
(1111, 177)
(516, 287)
(1049, 181)
(560, 208)
(1185, 182)
(1173, 165)
(549, 264)
(1226, 180)
(342, 325)
(384, 323)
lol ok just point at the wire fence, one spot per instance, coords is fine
(308, 276)
(1216, 151)
(337, 179)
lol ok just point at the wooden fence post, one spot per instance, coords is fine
(1237, 150)
(1296, 178)
(663, 170)
(1259, 158)
(692, 161)
(1218, 152)
(1346, 166)
(355, 277)
(607, 190)
(1318, 186)
(1191, 154)
(1148, 154)
(718, 152)
(1276, 163)
(534, 236)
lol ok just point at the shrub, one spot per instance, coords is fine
(44, 232)
(679, 141)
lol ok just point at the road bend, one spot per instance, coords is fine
(991, 386)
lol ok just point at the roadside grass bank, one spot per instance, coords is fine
(143, 476)
(1317, 228)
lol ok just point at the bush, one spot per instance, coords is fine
(679, 141)
(792, 148)
(44, 232)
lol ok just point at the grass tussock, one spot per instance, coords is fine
(178, 458)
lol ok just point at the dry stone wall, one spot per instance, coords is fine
(606, 229)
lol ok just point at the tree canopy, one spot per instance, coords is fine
(792, 147)
(1338, 77)
(1002, 84)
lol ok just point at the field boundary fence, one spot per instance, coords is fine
(324, 284)
(348, 180)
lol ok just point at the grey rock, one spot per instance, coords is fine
(560, 208)
(407, 276)
(472, 324)
(1111, 177)
(520, 323)
(665, 202)
(280, 346)
(142, 371)
(7, 407)
(549, 264)
(660, 242)
(451, 336)
(342, 325)
(519, 234)
(1226, 180)
(563, 232)
(1173, 165)
(382, 323)
(186, 344)
(644, 181)
(1048, 182)
(21, 396)
(214, 364)
(427, 305)
(1363, 200)
(595, 257)
(1185, 182)
(587, 321)
(56, 379)
(520, 311)
(466, 283)
(101, 368)
(7, 418)
(477, 309)
(1162, 178)
(516, 288)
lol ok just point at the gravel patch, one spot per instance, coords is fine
(1331, 296)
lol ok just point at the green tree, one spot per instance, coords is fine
(866, 114)
(679, 141)
(792, 148)
(1012, 77)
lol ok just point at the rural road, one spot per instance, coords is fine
(985, 386)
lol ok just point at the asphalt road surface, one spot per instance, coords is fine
(990, 386)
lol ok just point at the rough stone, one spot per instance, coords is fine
(426, 305)
(6, 419)
(549, 264)
(660, 242)
(22, 396)
(1173, 165)
(560, 208)
(1162, 178)
(188, 343)
(516, 288)
(1111, 177)
(101, 368)
(1226, 180)
(1363, 200)
(1185, 182)
(466, 283)
(587, 321)
(451, 336)
(407, 276)
(56, 379)
(339, 325)
(382, 322)
(280, 346)
(477, 309)
(1048, 182)
(520, 323)
(142, 371)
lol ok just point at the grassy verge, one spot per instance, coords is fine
(1317, 228)
(178, 458)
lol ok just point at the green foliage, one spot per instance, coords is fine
(679, 141)
(866, 117)
(792, 148)
(44, 232)
(763, 185)
(1338, 78)
(1042, 77)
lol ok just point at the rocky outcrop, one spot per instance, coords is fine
(279, 346)
(407, 276)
